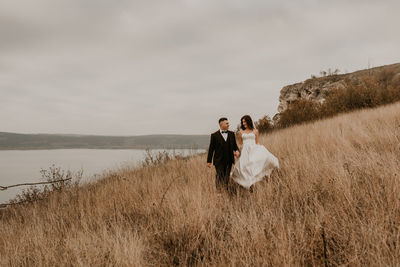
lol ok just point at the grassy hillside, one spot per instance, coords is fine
(56, 141)
(335, 201)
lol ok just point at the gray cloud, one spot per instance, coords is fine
(141, 67)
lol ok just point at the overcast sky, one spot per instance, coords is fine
(166, 66)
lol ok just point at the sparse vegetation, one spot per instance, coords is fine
(59, 180)
(328, 75)
(334, 201)
(152, 159)
(329, 72)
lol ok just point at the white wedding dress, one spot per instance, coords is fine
(255, 162)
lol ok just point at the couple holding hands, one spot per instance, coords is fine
(253, 161)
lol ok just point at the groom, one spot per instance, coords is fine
(221, 151)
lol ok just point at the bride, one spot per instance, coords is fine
(255, 161)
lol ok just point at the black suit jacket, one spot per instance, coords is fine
(221, 151)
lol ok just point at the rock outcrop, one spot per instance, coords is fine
(316, 89)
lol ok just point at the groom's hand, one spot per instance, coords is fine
(209, 164)
(236, 153)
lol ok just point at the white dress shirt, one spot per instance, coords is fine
(224, 135)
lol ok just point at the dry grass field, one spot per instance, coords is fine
(334, 202)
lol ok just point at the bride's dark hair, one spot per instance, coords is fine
(248, 121)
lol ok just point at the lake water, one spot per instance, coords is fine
(23, 166)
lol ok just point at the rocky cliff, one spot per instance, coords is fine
(315, 89)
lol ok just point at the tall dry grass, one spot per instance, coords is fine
(335, 201)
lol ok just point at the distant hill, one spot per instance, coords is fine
(10, 141)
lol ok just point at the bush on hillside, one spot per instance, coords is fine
(368, 92)
(264, 125)
(299, 111)
(356, 95)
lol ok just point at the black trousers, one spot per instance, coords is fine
(222, 177)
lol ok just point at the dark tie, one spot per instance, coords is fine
(224, 131)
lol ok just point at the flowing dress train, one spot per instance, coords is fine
(255, 162)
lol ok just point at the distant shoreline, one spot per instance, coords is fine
(105, 148)
(16, 141)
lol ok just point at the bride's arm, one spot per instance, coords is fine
(256, 133)
(240, 139)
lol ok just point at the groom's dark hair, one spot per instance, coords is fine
(222, 119)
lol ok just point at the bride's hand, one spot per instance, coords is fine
(236, 153)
